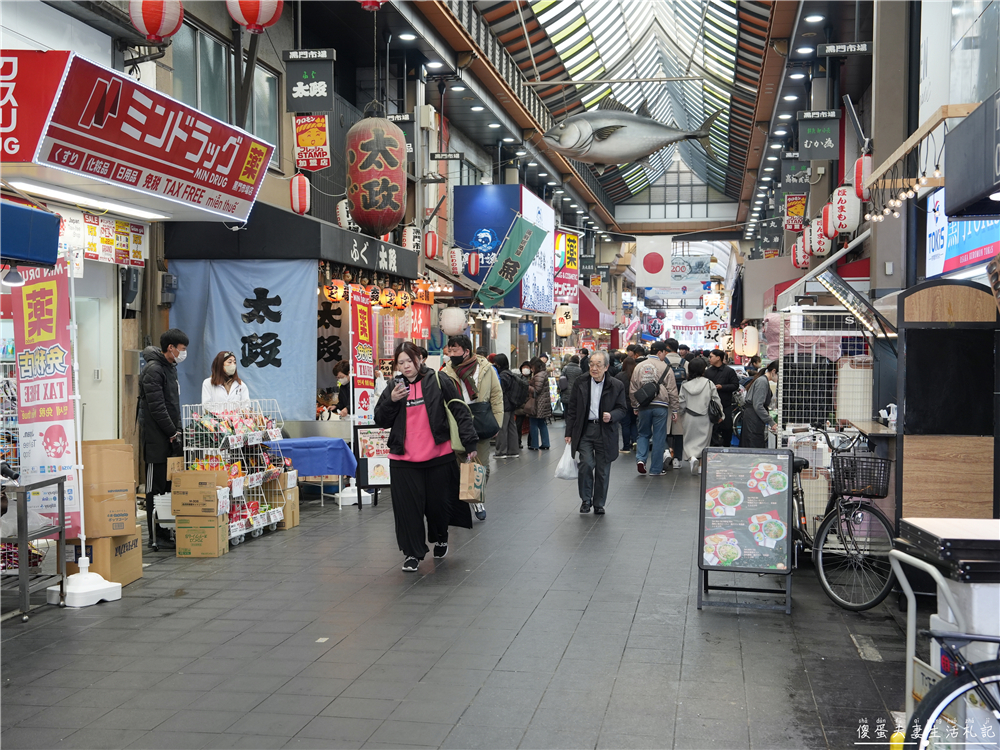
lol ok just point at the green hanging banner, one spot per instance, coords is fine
(518, 250)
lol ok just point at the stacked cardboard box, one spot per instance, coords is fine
(108, 488)
(117, 558)
(200, 503)
(291, 518)
(202, 536)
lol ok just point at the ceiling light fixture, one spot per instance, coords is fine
(552, 182)
(532, 163)
(76, 198)
(458, 88)
(508, 140)
(765, 179)
(12, 277)
(805, 50)
(781, 132)
(521, 153)
(560, 191)
(407, 37)
(797, 76)
(494, 124)
(543, 174)
(477, 108)
(784, 117)
(791, 97)
(772, 158)
(815, 18)
(434, 64)
(768, 169)
(775, 146)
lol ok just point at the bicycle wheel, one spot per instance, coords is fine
(851, 555)
(953, 714)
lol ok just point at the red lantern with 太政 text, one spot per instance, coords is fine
(256, 15)
(157, 19)
(376, 175)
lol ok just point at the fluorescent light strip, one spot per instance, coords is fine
(77, 199)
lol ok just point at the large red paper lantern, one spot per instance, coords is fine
(431, 245)
(157, 19)
(372, 4)
(376, 174)
(299, 185)
(862, 172)
(388, 297)
(335, 290)
(800, 258)
(473, 263)
(256, 15)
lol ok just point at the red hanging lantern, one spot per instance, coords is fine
(372, 4)
(800, 258)
(473, 263)
(376, 176)
(373, 293)
(862, 172)
(828, 224)
(335, 290)
(431, 245)
(403, 300)
(157, 19)
(256, 15)
(299, 186)
(388, 297)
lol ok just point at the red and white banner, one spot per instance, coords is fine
(109, 127)
(362, 356)
(44, 387)
(420, 322)
(312, 142)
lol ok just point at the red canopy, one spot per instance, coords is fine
(593, 312)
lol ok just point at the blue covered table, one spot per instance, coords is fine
(319, 457)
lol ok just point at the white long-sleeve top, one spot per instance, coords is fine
(217, 394)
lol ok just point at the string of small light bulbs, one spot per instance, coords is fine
(883, 208)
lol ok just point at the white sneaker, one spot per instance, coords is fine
(694, 463)
(677, 463)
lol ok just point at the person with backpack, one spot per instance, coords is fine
(653, 394)
(696, 395)
(630, 427)
(570, 372)
(727, 382)
(675, 428)
(515, 393)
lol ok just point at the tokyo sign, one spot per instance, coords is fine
(106, 126)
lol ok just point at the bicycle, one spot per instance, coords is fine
(963, 706)
(851, 549)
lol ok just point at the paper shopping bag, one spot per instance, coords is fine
(471, 481)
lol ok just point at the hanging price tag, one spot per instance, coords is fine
(274, 433)
(237, 486)
(254, 438)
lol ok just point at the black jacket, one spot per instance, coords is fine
(578, 410)
(726, 377)
(159, 407)
(505, 382)
(392, 414)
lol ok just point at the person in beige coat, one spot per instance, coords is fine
(477, 381)
(696, 392)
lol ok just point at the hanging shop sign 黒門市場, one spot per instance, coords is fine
(819, 135)
(309, 79)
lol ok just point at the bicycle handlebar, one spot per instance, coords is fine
(939, 635)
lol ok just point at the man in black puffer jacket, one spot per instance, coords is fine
(160, 414)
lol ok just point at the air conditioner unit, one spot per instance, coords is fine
(824, 321)
(427, 117)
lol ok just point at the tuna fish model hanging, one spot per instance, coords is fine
(613, 134)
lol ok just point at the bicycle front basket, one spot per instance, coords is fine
(861, 476)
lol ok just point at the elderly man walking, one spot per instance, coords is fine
(597, 403)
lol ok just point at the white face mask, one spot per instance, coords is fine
(343, 381)
(229, 369)
(181, 356)
(525, 372)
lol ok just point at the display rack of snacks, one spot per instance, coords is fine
(230, 437)
(8, 416)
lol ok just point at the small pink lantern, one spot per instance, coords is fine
(157, 19)
(473, 263)
(256, 15)
(299, 187)
(431, 249)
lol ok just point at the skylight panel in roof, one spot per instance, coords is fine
(591, 70)
(558, 16)
(575, 25)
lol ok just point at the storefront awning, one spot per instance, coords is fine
(593, 312)
(29, 235)
(83, 134)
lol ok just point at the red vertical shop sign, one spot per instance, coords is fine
(362, 356)
(44, 387)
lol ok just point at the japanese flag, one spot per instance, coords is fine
(653, 268)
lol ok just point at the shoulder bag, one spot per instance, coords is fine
(645, 394)
(456, 437)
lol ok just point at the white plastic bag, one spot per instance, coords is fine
(567, 465)
(8, 522)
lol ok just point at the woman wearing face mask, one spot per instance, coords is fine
(519, 411)
(342, 371)
(424, 475)
(224, 385)
(756, 417)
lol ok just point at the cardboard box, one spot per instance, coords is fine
(199, 493)
(117, 558)
(174, 466)
(202, 536)
(291, 509)
(108, 487)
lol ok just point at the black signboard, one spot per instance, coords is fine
(588, 265)
(819, 139)
(845, 48)
(309, 79)
(447, 155)
(408, 124)
(971, 171)
(768, 241)
(605, 270)
(745, 523)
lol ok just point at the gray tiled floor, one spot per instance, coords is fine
(542, 629)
